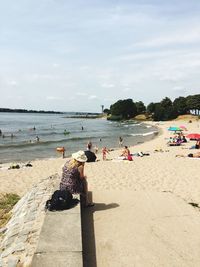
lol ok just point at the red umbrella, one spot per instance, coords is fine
(193, 136)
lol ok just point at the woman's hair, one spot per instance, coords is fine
(74, 163)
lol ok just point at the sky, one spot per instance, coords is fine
(78, 55)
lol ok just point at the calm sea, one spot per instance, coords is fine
(19, 135)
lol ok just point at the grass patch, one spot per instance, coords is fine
(7, 202)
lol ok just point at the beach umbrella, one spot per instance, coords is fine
(174, 128)
(183, 127)
(193, 136)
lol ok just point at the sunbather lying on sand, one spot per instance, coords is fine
(191, 155)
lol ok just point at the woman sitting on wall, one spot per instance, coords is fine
(73, 178)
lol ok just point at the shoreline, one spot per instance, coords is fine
(154, 135)
(20, 180)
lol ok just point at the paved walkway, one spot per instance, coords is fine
(141, 229)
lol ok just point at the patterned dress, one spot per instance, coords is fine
(71, 180)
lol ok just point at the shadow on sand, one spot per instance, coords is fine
(88, 233)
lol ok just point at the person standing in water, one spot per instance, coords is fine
(120, 141)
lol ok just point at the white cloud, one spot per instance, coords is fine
(108, 85)
(179, 89)
(92, 97)
(127, 89)
(54, 98)
(56, 65)
(84, 67)
(190, 34)
(80, 94)
(109, 99)
(12, 83)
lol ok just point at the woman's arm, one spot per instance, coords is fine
(81, 171)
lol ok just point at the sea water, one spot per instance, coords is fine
(20, 132)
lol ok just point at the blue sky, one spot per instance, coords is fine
(77, 55)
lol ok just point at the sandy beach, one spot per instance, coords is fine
(132, 199)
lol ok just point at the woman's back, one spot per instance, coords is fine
(71, 180)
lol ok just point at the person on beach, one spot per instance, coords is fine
(96, 149)
(120, 141)
(104, 152)
(191, 155)
(89, 145)
(63, 153)
(91, 157)
(184, 140)
(0, 132)
(73, 178)
(37, 138)
(126, 152)
(197, 145)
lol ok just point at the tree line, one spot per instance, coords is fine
(164, 110)
(28, 111)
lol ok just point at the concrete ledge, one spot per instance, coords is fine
(60, 241)
(58, 259)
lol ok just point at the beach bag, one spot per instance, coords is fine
(60, 200)
(129, 158)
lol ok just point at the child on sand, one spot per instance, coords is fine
(96, 149)
(104, 152)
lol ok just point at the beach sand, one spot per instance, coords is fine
(142, 215)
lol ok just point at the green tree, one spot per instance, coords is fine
(125, 108)
(164, 110)
(180, 104)
(159, 112)
(193, 103)
(106, 110)
(140, 107)
(151, 107)
(166, 102)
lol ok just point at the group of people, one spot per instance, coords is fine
(73, 178)
(37, 139)
(177, 139)
(3, 135)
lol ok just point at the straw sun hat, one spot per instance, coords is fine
(79, 156)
